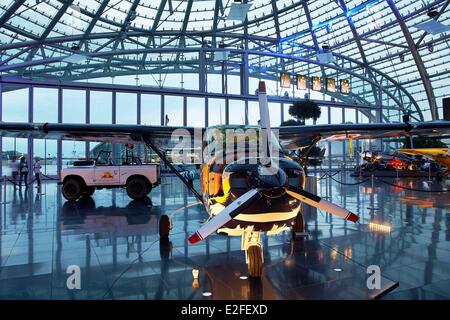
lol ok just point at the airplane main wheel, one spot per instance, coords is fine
(255, 261)
(71, 189)
(164, 227)
(299, 223)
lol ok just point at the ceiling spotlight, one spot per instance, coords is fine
(401, 57)
(430, 47)
(133, 15)
(325, 46)
(433, 13)
(75, 47)
(238, 11)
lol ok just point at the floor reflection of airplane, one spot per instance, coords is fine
(248, 185)
(439, 155)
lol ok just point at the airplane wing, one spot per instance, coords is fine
(428, 152)
(295, 137)
(154, 137)
(161, 136)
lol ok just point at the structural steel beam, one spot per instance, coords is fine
(417, 59)
(10, 11)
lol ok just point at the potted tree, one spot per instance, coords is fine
(301, 111)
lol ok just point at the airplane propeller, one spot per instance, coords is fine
(237, 206)
(231, 211)
(264, 179)
(319, 203)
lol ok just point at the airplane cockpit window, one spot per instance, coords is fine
(242, 139)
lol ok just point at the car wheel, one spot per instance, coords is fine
(88, 191)
(71, 189)
(164, 227)
(137, 188)
(149, 189)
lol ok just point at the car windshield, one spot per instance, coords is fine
(103, 157)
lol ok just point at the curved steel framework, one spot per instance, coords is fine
(390, 62)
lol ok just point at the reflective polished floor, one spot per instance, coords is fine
(115, 243)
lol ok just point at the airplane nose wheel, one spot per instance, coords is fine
(255, 261)
(253, 253)
(164, 226)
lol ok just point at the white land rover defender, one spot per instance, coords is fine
(85, 176)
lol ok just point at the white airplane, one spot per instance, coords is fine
(248, 185)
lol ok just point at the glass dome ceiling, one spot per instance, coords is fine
(374, 42)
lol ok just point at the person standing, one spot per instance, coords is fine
(14, 165)
(23, 169)
(37, 171)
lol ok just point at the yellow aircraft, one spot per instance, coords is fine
(439, 155)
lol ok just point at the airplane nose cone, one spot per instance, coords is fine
(270, 177)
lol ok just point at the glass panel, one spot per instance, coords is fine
(275, 114)
(214, 83)
(46, 150)
(350, 115)
(253, 112)
(236, 112)
(323, 116)
(190, 81)
(126, 108)
(173, 106)
(101, 107)
(72, 150)
(74, 106)
(216, 111)
(45, 105)
(96, 147)
(15, 104)
(336, 115)
(151, 109)
(195, 112)
(13, 147)
(234, 84)
(286, 114)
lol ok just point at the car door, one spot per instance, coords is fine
(106, 175)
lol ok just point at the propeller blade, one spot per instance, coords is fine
(231, 211)
(318, 202)
(265, 117)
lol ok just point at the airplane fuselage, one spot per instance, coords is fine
(226, 178)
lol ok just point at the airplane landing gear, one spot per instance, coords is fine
(165, 226)
(253, 253)
(298, 226)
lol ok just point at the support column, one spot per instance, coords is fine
(88, 120)
(1, 119)
(114, 120)
(227, 109)
(206, 111)
(59, 143)
(184, 111)
(139, 120)
(163, 109)
(202, 74)
(30, 139)
(244, 75)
